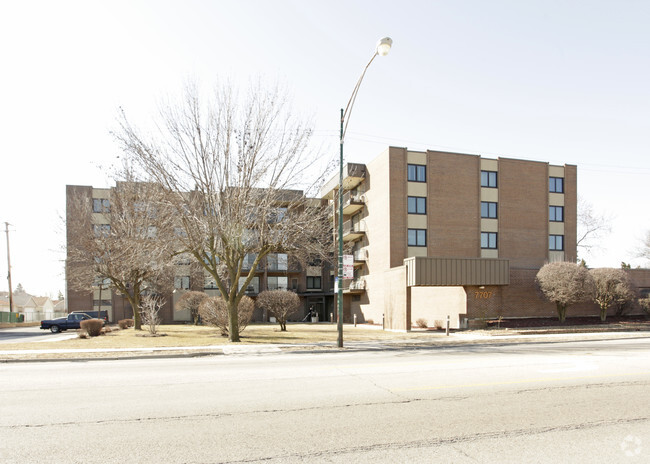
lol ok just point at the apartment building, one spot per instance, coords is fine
(437, 234)
(311, 282)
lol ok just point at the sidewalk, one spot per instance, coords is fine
(438, 340)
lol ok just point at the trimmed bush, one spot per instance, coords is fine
(92, 326)
(125, 323)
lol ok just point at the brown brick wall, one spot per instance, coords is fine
(453, 205)
(570, 212)
(397, 219)
(523, 212)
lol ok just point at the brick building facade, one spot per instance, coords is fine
(454, 213)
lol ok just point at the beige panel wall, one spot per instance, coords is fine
(556, 171)
(436, 303)
(556, 199)
(416, 189)
(489, 225)
(453, 204)
(556, 228)
(378, 220)
(416, 251)
(395, 300)
(485, 253)
(489, 194)
(417, 221)
(523, 212)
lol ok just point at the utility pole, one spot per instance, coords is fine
(11, 296)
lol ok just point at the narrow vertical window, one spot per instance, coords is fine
(416, 173)
(417, 237)
(489, 240)
(417, 205)
(556, 213)
(556, 184)
(556, 242)
(489, 179)
(488, 209)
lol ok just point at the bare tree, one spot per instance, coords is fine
(564, 284)
(150, 311)
(644, 249)
(190, 301)
(234, 169)
(215, 311)
(612, 287)
(592, 226)
(281, 304)
(129, 244)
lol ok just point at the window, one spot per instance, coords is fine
(180, 232)
(101, 205)
(249, 259)
(182, 282)
(556, 184)
(314, 283)
(417, 205)
(488, 209)
(417, 173)
(556, 242)
(417, 237)
(556, 213)
(209, 283)
(102, 230)
(277, 215)
(253, 286)
(277, 262)
(277, 283)
(489, 240)
(104, 303)
(489, 179)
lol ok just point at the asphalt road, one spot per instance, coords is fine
(542, 402)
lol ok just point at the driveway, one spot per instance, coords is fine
(33, 334)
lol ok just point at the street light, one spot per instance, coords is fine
(382, 49)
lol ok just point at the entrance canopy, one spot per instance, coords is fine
(445, 272)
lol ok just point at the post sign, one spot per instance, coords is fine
(348, 267)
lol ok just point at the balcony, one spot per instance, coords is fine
(353, 175)
(360, 256)
(353, 230)
(352, 203)
(355, 286)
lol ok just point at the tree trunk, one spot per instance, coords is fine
(233, 321)
(283, 326)
(603, 314)
(561, 313)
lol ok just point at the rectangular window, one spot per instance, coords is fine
(417, 205)
(556, 242)
(249, 259)
(253, 286)
(488, 209)
(314, 283)
(104, 303)
(101, 205)
(277, 262)
(556, 184)
(489, 240)
(417, 237)
(277, 283)
(209, 283)
(182, 282)
(417, 173)
(489, 179)
(556, 213)
(102, 230)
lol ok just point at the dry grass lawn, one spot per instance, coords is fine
(190, 335)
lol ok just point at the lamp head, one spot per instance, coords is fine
(383, 46)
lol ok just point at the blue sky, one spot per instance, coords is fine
(558, 81)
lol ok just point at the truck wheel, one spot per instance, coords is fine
(55, 329)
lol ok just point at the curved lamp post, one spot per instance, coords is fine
(383, 47)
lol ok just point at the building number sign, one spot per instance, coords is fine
(482, 295)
